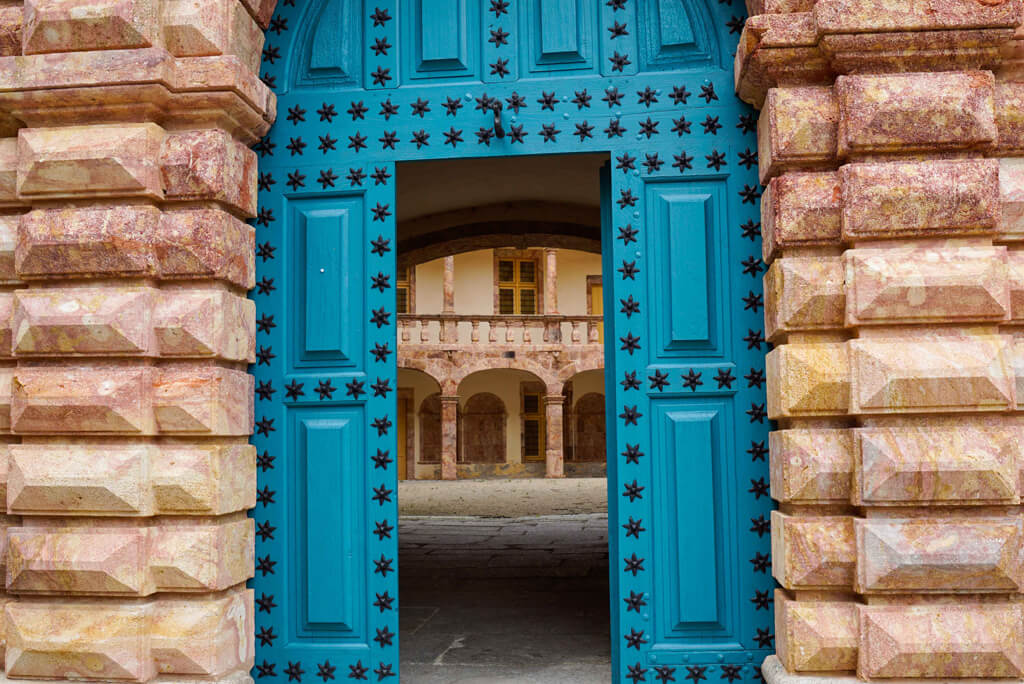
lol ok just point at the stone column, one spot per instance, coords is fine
(554, 456)
(448, 305)
(893, 298)
(124, 267)
(449, 437)
(550, 281)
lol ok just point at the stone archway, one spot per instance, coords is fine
(430, 429)
(482, 437)
(589, 442)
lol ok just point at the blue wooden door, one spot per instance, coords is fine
(363, 85)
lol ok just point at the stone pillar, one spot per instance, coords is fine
(554, 456)
(125, 331)
(892, 223)
(448, 305)
(550, 281)
(449, 437)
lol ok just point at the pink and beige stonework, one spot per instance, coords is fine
(891, 142)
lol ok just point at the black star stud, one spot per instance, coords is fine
(380, 46)
(266, 670)
(682, 162)
(382, 566)
(485, 103)
(265, 461)
(452, 106)
(547, 101)
(634, 528)
(615, 129)
(636, 673)
(755, 378)
(266, 603)
(278, 24)
(635, 639)
(751, 266)
(452, 137)
(380, 317)
(757, 451)
(659, 380)
(265, 496)
(515, 102)
(628, 233)
(613, 97)
(630, 381)
(764, 638)
(264, 355)
(584, 130)
(692, 381)
(357, 671)
(632, 453)
(617, 30)
(420, 107)
(499, 7)
(484, 135)
(635, 601)
(380, 16)
(325, 389)
(380, 175)
(327, 112)
(325, 670)
(630, 306)
(354, 389)
(653, 163)
(665, 673)
(355, 177)
(266, 636)
(380, 245)
(716, 160)
(629, 270)
(265, 217)
(381, 76)
(384, 602)
(750, 194)
(680, 126)
(626, 199)
(680, 95)
(634, 564)
(380, 282)
(625, 162)
(296, 114)
(760, 525)
(296, 180)
(630, 343)
(748, 123)
(753, 302)
(711, 125)
(732, 672)
(646, 97)
(630, 415)
(265, 530)
(735, 24)
(384, 636)
(516, 134)
(381, 425)
(421, 138)
(383, 671)
(619, 62)
(499, 37)
(758, 488)
(357, 110)
(265, 181)
(724, 378)
(327, 178)
(327, 143)
(762, 599)
(761, 562)
(754, 339)
(381, 459)
(381, 212)
(381, 387)
(380, 352)
(696, 672)
(582, 99)
(500, 68)
(271, 81)
(549, 133)
(265, 390)
(387, 109)
(751, 230)
(616, 5)
(707, 91)
(357, 142)
(295, 146)
(757, 413)
(265, 285)
(748, 158)
(265, 566)
(649, 127)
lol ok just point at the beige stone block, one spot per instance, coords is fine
(116, 400)
(939, 555)
(207, 243)
(808, 380)
(6, 398)
(96, 641)
(204, 637)
(9, 172)
(1015, 282)
(130, 480)
(926, 285)
(902, 113)
(813, 552)
(864, 16)
(799, 210)
(11, 20)
(797, 129)
(909, 199)
(83, 321)
(129, 561)
(936, 465)
(951, 640)
(1011, 199)
(76, 25)
(816, 636)
(209, 165)
(212, 27)
(804, 293)
(90, 161)
(8, 240)
(6, 306)
(205, 323)
(811, 465)
(934, 374)
(206, 400)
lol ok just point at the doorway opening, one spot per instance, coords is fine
(503, 528)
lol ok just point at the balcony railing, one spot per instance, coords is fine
(461, 329)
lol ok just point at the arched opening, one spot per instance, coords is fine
(482, 438)
(585, 424)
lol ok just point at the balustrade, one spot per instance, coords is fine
(469, 329)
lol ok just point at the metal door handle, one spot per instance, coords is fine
(499, 131)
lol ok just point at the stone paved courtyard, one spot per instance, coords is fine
(503, 600)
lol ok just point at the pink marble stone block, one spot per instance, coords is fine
(209, 165)
(797, 129)
(803, 293)
(74, 25)
(798, 210)
(205, 323)
(808, 380)
(813, 552)
(207, 243)
(116, 400)
(816, 636)
(867, 16)
(811, 465)
(213, 27)
(9, 172)
(206, 400)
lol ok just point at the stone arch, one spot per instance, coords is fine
(589, 428)
(546, 376)
(482, 433)
(430, 429)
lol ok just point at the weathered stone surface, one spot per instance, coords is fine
(902, 113)
(926, 284)
(205, 323)
(869, 16)
(811, 465)
(72, 25)
(9, 172)
(204, 637)
(939, 555)
(803, 293)
(798, 210)
(808, 380)
(816, 636)
(910, 199)
(115, 400)
(797, 129)
(209, 165)
(933, 374)
(953, 640)
(215, 27)
(937, 464)
(11, 21)
(130, 480)
(8, 240)
(206, 243)
(206, 400)
(1015, 282)
(1011, 197)
(89, 161)
(813, 552)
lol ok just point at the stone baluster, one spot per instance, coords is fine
(575, 337)
(492, 330)
(424, 324)
(474, 334)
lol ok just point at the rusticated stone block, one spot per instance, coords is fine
(813, 552)
(129, 561)
(816, 636)
(902, 113)
(6, 398)
(114, 400)
(1015, 283)
(90, 161)
(808, 380)
(205, 637)
(939, 465)
(941, 373)
(130, 480)
(797, 129)
(811, 466)
(214, 27)
(11, 18)
(1011, 197)
(206, 243)
(210, 323)
(800, 209)
(866, 16)
(909, 199)
(83, 321)
(1010, 98)
(204, 400)
(77, 25)
(804, 294)
(951, 640)
(209, 165)
(926, 284)
(8, 239)
(939, 555)
(9, 172)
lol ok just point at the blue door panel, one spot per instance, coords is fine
(363, 85)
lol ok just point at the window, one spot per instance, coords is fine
(403, 291)
(517, 286)
(533, 427)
